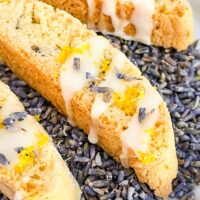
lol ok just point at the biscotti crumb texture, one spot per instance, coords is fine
(30, 166)
(31, 45)
(172, 20)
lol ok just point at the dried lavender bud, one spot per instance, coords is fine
(103, 89)
(36, 49)
(19, 116)
(18, 22)
(120, 75)
(142, 114)
(107, 97)
(76, 64)
(125, 76)
(19, 149)
(16, 116)
(8, 121)
(3, 160)
(89, 76)
(152, 111)
(92, 86)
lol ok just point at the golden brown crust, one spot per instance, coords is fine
(173, 24)
(40, 75)
(172, 20)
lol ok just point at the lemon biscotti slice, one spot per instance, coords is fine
(30, 166)
(92, 83)
(167, 23)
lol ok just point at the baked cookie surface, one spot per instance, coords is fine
(50, 49)
(166, 23)
(30, 166)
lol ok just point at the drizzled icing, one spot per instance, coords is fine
(71, 80)
(19, 135)
(136, 136)
(9, 137)
(141, 18)
(15, 141)
(99, 106)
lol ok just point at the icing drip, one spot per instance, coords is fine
(71, 80)
(141, 19)
(109, 9)
(136, 137)
(99, 106)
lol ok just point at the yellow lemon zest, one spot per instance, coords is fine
(26, 158)
(37, 118)
(166, 166)
(105, 66)
(150, 131)
(27, 155)
(56, 75)
(4, 1)
(128, 101)
(43, 139)
(1, 122)
(67, 51)
(146, 158)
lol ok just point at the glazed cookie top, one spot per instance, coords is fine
(130, 19)
(116, 83)
(26, 156)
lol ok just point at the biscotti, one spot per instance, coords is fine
(92, 83)
(166, 23)
(30, 166)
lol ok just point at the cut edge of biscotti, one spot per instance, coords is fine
(167, 23)
(91, 65)
(30, 166)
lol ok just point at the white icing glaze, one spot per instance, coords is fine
(141, 19)
(7, 109)
(111, 81)
(22, 135)
(135, 136)
(9, 140)
(99, 106)
(64, 182)
(72, 81)
(18, 195)
(25, 179)
(109, 8)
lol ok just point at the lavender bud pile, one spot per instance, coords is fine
(176, 75)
